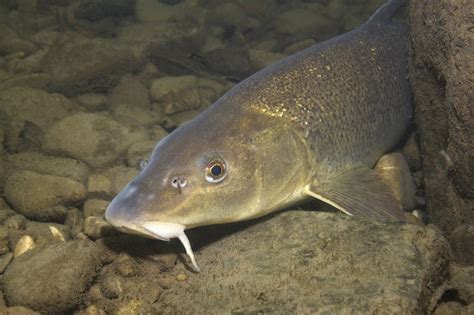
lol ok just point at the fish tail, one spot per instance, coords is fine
(384, 13)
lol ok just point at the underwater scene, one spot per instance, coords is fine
(236, 157)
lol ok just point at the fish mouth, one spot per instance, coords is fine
(162, 231)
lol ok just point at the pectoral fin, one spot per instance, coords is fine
(358, 191)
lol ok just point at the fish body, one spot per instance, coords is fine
(309, 126)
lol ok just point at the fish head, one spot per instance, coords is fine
(204, 173)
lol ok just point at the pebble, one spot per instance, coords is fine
(94, 207)
(77, 64)
(49, 165)
(94, 139)
(91, 310)
(96, 228)
(412, 152)
(462, 242)
(36, 196)
(233, 62)
(20, 104)
(141, 151)
(17, 222)
(176, 94)
(5, 260)
(129, 91)
(24, 244)
(111, 286)
(298, 46)
(181, 276)
(92, 102)
(120, 176)
(261, 59)
(75, 220)
(396, 173)
(4, 247)
(125, 265)
(131, 115)
(18, 310)
(302, 24)
(10, 42)
(66, 268)
(99, 186)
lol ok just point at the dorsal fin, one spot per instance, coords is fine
(384, 13)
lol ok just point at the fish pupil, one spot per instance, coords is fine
(216, 170)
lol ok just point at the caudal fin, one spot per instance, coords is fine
(384, 13)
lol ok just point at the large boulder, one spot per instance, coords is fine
(94, 139)
(52, 279)
(294, 262)
(441, 73)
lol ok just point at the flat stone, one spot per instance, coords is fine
(92, 101)
(35, 195)
(77, 64)
(130, 91)
(95, 207)
(49, 165)
(19, 105)
(94, 139)
(35, 278)
(313, 262)
(395, 171)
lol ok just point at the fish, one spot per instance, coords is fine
(312, 125)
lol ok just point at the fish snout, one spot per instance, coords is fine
(126, 207)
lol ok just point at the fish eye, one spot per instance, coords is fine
(215, 171)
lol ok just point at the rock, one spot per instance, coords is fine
(298, 46)
(120, 176)
(230, 61)
(5, 260)
(96, 228)
(440, 72)
(93, 102)
(303, 24)
(111, 286)
(141, 151)
(91, 138)
(78, 64)
(44, 37)
(261, 59)
(396, 173)
(125, 265)
(75, 220)
(21, 105)
(462, 242)
(67, 268)
(10, 42)
(162, 11)
(48, 165)
(4, 248)
(97, 10)
(135, 116)
(95, 207)
(307, 262)
(99, 186)
(24, 244)
(462, 281)
(31, 80)
(129, 91)
(18, 310)
(175, 94)
(17, 222)
(412, 152)
(91, 310)
(41, 233)
(230, 16)
(36, 196)
(5, 213)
